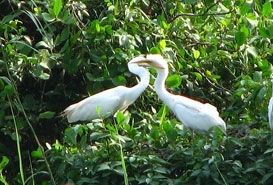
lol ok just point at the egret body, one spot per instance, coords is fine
(193, 114)
(110, 101)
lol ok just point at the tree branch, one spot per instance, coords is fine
(202, 14)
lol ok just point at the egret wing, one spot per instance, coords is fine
(198, 116)
(97, 106)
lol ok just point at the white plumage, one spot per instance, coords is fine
(108, 102)
(191, 113)
(270, 113)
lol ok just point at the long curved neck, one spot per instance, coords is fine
(144, 81)
(144, 76)
(160, 88)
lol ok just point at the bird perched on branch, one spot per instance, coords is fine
(110, 101)
(193, 114)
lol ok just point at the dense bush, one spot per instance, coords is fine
(55, 53)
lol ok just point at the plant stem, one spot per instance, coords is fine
(17, 143)
(224, 180)
(125, 176)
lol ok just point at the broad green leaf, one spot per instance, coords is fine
(240, 38)
(196, 54)
(162, 44)
(37, 153)
(9, 90)
(245, 30)
(244, 8)
(120, 117)
(252, 19)
(174, 80)
(263, 32)
(267, 9)
(57, 7)
(46, 115)
(155, 50)
(103, 166)
(47, 17)
(155, 133)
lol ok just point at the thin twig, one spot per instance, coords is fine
(198, 15)
(205, 13)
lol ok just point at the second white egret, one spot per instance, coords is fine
(193, 114)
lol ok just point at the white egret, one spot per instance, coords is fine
(270, 111)
(193, 114)
(108, 102)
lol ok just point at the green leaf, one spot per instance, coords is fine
(155, 133)
(155, 50)
(57, 7)
(245, 30)
(120, 117)
(37, 153)
(170, 131)
(47, 17)
(244, 9)
(3, 163)
(46, 115)
(103, 166)
(198, 76)
(174, 80)
(263, 31)
(240, 38)
(9, 90)
(251, 50)
(162, 44)
(196, 54)
(252, 19)
(267, 9)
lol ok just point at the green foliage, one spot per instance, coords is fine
(55, 53)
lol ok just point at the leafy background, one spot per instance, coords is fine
(55, 53)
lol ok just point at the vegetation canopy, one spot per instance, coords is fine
(55, 53)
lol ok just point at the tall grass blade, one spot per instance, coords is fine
(17, 143)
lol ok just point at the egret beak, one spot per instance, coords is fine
(145, 62)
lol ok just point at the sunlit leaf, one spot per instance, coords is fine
(252, 50)
(267, 9)
(174, 80)
(57, 7)
(37, 153)
(162, 44)
(3, 163)
(196, 54)
(154, 50)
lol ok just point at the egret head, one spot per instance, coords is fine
(151, 60)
